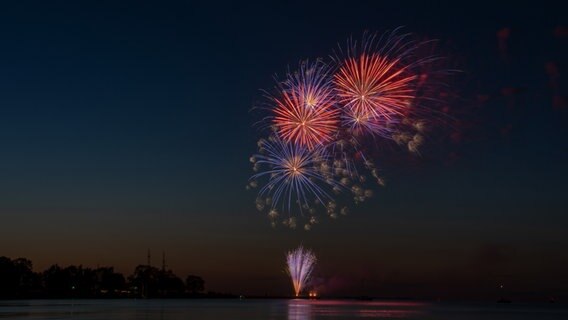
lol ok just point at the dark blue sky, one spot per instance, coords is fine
(126, 126)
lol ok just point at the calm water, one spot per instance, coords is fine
(270, 309)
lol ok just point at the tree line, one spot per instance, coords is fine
(19, 281)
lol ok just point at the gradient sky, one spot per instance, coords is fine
(126, 126)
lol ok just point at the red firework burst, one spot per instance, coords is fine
(372, 84)
(306, 119)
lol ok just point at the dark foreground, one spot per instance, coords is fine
(271, 309)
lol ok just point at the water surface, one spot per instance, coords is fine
(272, 309)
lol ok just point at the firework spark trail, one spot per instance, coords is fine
(374, 91)
(384, 83)
(361, 122)
(294, 174)
(305, 111)
(299, 265)
(372, 84)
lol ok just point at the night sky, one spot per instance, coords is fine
(127, 126)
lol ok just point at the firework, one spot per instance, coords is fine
(373, 86)
(377, 83)
(299, 265)
(359, 122)
(327, 121)
(305, 111)
(297, 177)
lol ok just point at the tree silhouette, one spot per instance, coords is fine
(144, 280)
(18, 281)
(194, 284)
(108, 281)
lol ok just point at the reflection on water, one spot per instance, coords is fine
(272, 310)
(297, 310)
(317, 309)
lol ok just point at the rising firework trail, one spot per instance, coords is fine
(299, 265)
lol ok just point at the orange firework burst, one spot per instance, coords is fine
(305, 113)
(376, 87)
